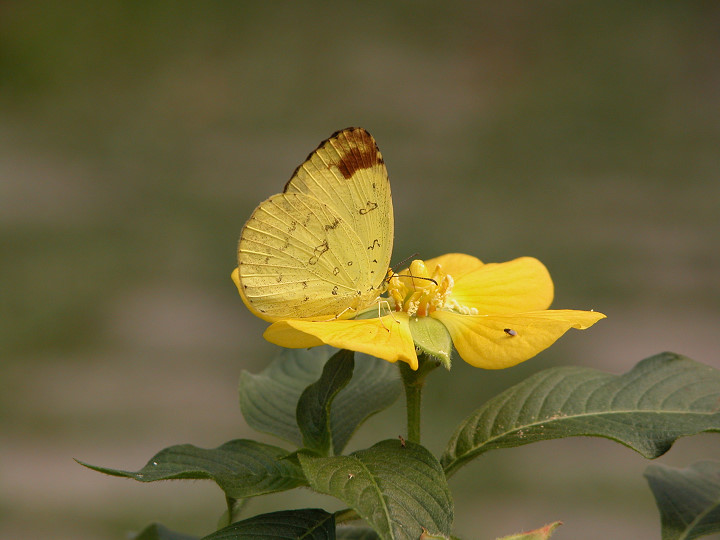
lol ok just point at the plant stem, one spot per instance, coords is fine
(414, 382)
(234, 507)
(413, 400)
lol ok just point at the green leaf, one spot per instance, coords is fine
(432, 338)
(688, 499)
(242, 468)
(313, 408)
(663, 398)
(396, 489)
(160, 532)
(543, 533)
(269, 399)
(374, 387)
(308, 524)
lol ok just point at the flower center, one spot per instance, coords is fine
(419, 294)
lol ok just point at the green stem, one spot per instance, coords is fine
(413, 400)
(234, 507)
(230, 502)
(414, 382)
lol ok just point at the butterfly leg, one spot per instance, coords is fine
(380, 303)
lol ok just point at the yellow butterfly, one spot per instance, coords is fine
(320, 250)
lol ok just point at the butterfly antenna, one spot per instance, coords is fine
(393, 274)
(413, 278)
(406, 259)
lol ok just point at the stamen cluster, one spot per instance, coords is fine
(419, 294)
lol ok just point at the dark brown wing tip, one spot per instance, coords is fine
(361, 152)
(346, 130)
(347, 171)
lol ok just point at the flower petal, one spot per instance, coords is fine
(388, 338)
(455, 264)
(516, 286)
(501, 341)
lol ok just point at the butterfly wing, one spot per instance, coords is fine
(321, 249)
(298, 259)
(347, 173)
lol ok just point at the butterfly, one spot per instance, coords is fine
(321, 249)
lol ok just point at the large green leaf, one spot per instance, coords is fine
(314, 405)
(308, 524)
(374, 387)
(688, 499)
(242, 468)
(396, 489)
(156, 531)
(661, 399)
(269, 399)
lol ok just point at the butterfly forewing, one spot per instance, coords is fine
(298, 258)
(347, 172)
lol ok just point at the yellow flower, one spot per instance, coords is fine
(496, 314)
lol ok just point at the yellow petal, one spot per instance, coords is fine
(388, 338)
(455, 264)
(501, 341)
(516, 286)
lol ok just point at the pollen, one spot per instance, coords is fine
(418, 293)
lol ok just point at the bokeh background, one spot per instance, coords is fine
(137, 137)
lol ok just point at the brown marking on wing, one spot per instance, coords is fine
(369, 207)
(318, 251)
(332, 225)
(362, 154)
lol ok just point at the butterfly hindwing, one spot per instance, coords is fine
(297, 258)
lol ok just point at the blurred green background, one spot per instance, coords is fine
(137, 137)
